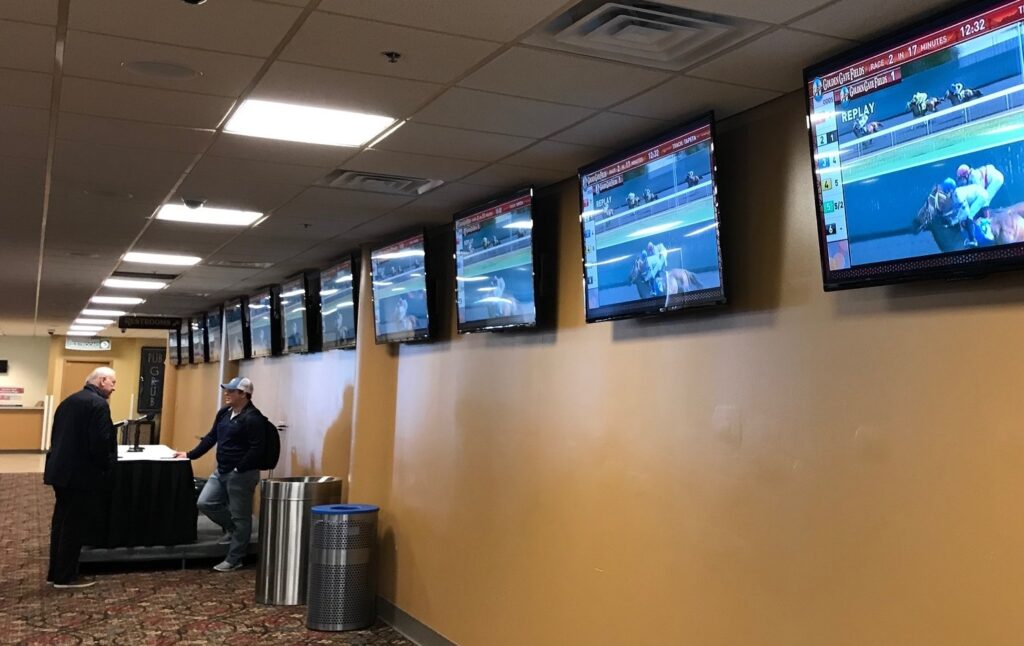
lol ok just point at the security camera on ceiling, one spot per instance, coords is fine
(191, 202)
(193, 1)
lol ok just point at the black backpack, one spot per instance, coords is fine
(271, 446)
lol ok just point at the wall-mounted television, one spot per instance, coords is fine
(261, 310)
(495, 282)
(236, 330)
(401, 310)
(650, 224)
(185, 342)
(292, 314)
(917, 145)
(197, 328)
(174, 346)
(338, 304)
(214, 320)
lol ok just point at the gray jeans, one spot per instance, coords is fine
(227, 500)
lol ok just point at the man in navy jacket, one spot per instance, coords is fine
(238, 431)
(83, 451)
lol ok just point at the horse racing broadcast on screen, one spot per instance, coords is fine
(399, 288)
(651, 227)
(918, 147)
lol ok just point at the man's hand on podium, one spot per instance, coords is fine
(180, 454)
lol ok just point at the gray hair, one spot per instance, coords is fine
(99, 373)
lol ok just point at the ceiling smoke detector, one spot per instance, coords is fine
(663, 34)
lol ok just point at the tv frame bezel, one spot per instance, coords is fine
(878, 45)
(427, 288)
(243, 301)
(530, 190)
(624, 153)
(353, 260)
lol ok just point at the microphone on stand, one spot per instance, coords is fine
(135, 448)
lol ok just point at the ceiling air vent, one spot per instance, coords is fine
(239, 264)
(663, 34)
(354, 180)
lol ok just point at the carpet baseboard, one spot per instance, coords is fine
(411, 627)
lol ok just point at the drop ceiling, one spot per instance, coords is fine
(92, 148)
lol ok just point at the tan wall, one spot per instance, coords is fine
(27, 358)
(801, 468)
(126, 354)
(196, 396)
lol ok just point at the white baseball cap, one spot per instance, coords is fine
(243, 384)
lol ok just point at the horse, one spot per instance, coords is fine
(1007, 224)
(636, 277)
(935, 216)
(680, 281)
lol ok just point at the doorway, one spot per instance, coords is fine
(75, 372)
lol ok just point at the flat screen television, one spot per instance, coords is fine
(650, 224)
(236, 329)
(338, 300)
(185, 341)
(917, 142)
(292, 306)
(260, 317)
(494, 270)
(399, 287)
(214, 319)
(174, 346)
(197, 327)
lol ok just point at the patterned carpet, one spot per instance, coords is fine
(135, 604)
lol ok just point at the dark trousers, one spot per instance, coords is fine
(67, 529)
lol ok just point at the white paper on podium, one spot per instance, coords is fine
(148, 452)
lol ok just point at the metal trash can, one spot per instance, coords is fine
(342, 578)
(284, 535)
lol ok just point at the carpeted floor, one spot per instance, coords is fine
(135, 606)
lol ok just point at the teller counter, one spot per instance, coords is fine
(21, 429)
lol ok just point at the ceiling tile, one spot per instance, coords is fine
(258, 172)
(505, 176)
(102, 57)
(24, 121)
(215, 26)
(281, 152)
(685, 97)
(611, 130)
(30, 146)
(237, 192)
(554, 155)
(327, 203)
(99, 130)
(116, 166)
(22, 174)
(565, 78)
(26, 46)
(353, 44)
(142, 104)
(305, 84)
(501, 21)
(773, 12)
(462, 108)
(264, 250)
(42, 11)
(190, 239)
(27, 89)
(425, 139)
(772, 62)
(858, 19)
(411, 165)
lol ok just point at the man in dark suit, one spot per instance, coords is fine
(83, 450)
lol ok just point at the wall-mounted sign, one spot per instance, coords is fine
(11, 396)
(148, 322)
(151, 380)
(86, 344)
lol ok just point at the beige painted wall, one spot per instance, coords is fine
(27, 358)
(801, 468)
(126, 354)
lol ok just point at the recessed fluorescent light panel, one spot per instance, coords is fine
(92, 312)
(129, 283)
(207, 215)
(85, 328)
(161, 259)
(74, 333)
(306, 124)
(117, 300)
(94, 321)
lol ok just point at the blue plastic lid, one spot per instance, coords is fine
(345, 509)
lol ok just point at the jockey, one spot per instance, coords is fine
(656, 262)
(969, 206)
(988, 177)
(692, 179)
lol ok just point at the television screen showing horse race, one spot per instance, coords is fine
(259, 324)
(494, 279)
(292, 304)
(337, 306)
(918, 152)
(235, 328)
(213, 335)
(650, 227)
(400, 311)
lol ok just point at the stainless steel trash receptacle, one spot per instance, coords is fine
(284, 535)
(342, 577)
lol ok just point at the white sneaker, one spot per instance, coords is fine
(225, 540)
(77, 583)
(225, 566)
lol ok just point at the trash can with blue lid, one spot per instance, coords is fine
(342, 581)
